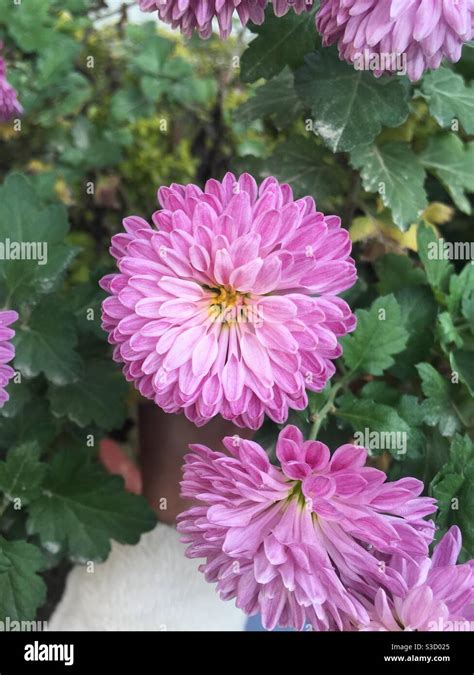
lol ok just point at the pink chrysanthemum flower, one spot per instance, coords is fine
(425, 31)
(197, 15)
(7, 351)
(439, 597)
(9, 105)
(230, 306)
(297, 543)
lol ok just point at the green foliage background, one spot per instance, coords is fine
(111, 114)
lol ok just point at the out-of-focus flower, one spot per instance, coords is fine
(197, 15)
(9, 105)
(7, 352)
(301, 543)
(424, 31)
(230, 307)
(439, 597)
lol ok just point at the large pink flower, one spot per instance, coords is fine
(229, 307)
(425, 31)
(197, 15)
(9, 105)
(439, 596)
(299, 543)
(7, 352)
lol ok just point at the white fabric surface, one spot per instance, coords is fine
(150, 586)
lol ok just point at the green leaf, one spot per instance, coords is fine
(438, 408)
(447, 331)
(419, 310)
(33, 422)
(29, 24)
(380, 334)
(19, 397)
(396, 272)
(380, 392)
(152, 55)
(276, 99)
(22, 590)
(349, 107)
(83, 507)
(437, 268)
(281, 41)
(452, 487)
(461, 290)
(451, 162)
(86, 304)
(22, 474)
(46, 344)
(379, 425)
(393, 170)
(97, 397)
(449, 98)
(301, 163)
(462, 362)
(23, 219)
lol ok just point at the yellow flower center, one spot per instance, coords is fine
(226, 305)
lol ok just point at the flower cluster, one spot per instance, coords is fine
(323, 541)
(9, 105)
(197, 15)
(7, 351)
(423, 31)
(229, 305)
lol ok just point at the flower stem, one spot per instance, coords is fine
(319, 417)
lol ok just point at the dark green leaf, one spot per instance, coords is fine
(449, 98)
(46, 344)
(451, 161)
(280, 42)
(438, 407)
(97, 397)
(22, 474)
(380, 334)
(393, 170)
(452, 487)
(349, 107)
(22, 590)
(83, 507)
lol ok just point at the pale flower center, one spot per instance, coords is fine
(227, 305)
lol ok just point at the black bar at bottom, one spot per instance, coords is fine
(218, 652)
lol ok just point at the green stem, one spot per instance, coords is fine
(319, 417)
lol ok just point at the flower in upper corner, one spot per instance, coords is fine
(302, 543)
(9, 105)
(394, 35)
(439, 597)
(197, 15)
(230, 306)
(7, 351)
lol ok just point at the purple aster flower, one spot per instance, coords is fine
(7, 351)
(297, 543)
(230, 306)
(425, 31)
(9, 105)
(439, 593)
